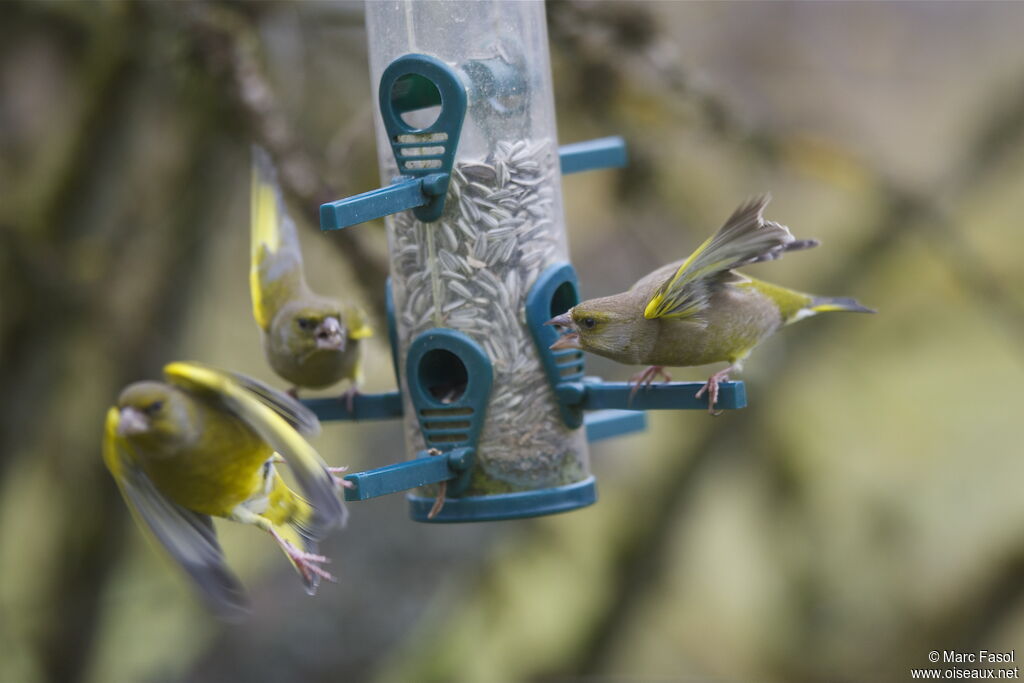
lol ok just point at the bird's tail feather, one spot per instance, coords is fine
(823, 304)
(776, 253)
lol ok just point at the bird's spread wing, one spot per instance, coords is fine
(745, 238)
(298, 416)
(275, 276)
(315, 481)
(188, 537)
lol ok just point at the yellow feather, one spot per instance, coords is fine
(789, 302)
(317, 484)
(111, 457)
(824, 308)
(655, 305)
(358, 328)
(266, 238)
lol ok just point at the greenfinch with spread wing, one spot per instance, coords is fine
(699, 310)
(310, 340)
(204, 443)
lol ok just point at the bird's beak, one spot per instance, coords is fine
(568, 341)
(564, 320)
(330, 335)
(132, 421)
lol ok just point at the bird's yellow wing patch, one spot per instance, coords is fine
(667, 300)
(358, 327)
(188, 537)
(264, 206)
(113, 452)
(266, 237)
(260, 311)
(299, 417)
(275, 273)
(310, 472)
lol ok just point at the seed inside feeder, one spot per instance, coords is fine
(470, 271)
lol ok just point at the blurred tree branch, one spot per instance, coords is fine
(38, 221)
(226, 40)
(92, 529)
(100, 302)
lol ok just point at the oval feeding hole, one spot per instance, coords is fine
(416, 100)
(564, 298)
(443, 375)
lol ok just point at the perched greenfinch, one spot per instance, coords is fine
(204, 443)
(309, 340)
(699, 310)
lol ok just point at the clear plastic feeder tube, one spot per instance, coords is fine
(502, 225)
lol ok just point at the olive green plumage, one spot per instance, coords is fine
(309, 340)
(700, 310)
(202, 444)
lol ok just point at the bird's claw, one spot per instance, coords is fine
(339, 481)
(309, 563)
(435, 509)
(711, 389)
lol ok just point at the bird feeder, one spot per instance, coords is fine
(479, 262)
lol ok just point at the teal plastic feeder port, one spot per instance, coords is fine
(479, 262)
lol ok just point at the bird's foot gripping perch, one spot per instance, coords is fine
(308, 564)
(711, 388)
(341, 483)
(349, 397)
(646, 378)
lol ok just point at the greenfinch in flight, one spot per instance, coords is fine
(309, 340)
(205, 443)
(699, 310)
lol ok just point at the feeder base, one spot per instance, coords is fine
(507, 505)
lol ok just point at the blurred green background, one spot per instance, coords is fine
(865, 509)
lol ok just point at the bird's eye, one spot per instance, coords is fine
(154, 407)
(306, 323)
(588, 323)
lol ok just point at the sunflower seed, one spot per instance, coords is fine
(460, 289)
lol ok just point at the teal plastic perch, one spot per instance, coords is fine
(592, 155)
(413, 193)
(591, 395)
(600, 425)
(426, 469)
(386, 406)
